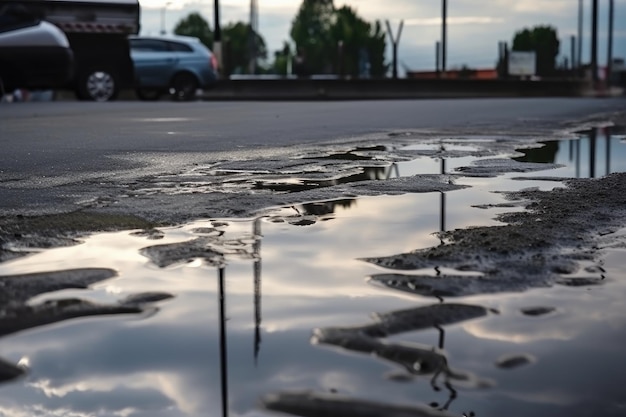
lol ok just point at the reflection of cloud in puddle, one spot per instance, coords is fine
(481, 331)
(164, 119)
(551, 396)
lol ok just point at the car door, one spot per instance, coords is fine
(154, 62)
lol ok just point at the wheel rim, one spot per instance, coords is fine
(100, 86)
(184, 87)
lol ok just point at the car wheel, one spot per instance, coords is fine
(184, 86)
(148, 94)
(98, 85)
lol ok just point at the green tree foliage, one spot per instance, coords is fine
(545, 42)
(281, 60)
(310, 31)
(195, 25)
(318, 31)
(238, 48)
(377, 44)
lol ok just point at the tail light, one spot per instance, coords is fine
(214, 63)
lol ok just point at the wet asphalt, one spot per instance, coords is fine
(70, 168)
(55, 156)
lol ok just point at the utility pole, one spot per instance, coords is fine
(217, 34)
(395, 41)
(438, 58)
(444, 30)
(163, 9)
(609, 59)
(573, 52)
(594, 42)
(580, 34)
(252, 34)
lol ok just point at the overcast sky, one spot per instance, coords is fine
(475, 26)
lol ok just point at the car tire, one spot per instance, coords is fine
(98, 84)
(148, 94)
(184, 86)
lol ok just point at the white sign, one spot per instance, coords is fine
(522, 63)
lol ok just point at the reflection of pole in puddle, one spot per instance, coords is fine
(256, 248)
(577, 158)
(393, 168)
(592, 153)
(571, 150)
(442, 218)
(608, 151)
(223, 346)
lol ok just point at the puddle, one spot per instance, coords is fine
(304, 325)
(595, 154)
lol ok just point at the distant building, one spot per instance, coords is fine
(463, 73)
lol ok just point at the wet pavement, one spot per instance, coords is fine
(413, 276)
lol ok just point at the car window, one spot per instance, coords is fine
(148, 45)
(179, 47)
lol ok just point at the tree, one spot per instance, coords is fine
(195, 25)
(237, 38)
(310, 31)
(337, 40)
(544, 41)
(281, 60)
(377, 44)
(361, 41)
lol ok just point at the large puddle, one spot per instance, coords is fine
(281, 312)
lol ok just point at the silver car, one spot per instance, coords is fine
(178, 65)
(33, 53)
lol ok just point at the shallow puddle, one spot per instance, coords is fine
(280, 312)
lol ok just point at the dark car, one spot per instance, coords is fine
(34, 54)
(178, 65)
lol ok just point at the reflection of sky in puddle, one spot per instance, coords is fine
(590, 156)
(168, 364)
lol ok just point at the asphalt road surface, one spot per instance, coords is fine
(49, 145)
(68, 169)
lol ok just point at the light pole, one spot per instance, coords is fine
(444, 33)
(217, 35)
(594, 43)
(609, 59)
(579, 55)
(163, 17)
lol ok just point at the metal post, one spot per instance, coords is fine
(252, 34)
(573, 51)
(594, 42)
(444, 30)
(395, 41)
(217, 34)
(580, 34)
(438, 58)
(609, 59)
(163, 31)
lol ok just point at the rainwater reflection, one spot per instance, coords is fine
(594, 153)
(278, 308)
